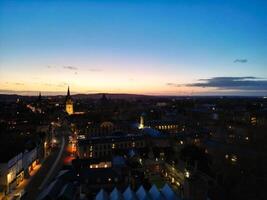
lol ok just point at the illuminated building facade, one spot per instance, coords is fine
(105, 146)
(15, 166)
(171, 126)
(108, 128)
(11, 173)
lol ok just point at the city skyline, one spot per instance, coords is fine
(145, 47)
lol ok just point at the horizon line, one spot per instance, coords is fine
(61, 93)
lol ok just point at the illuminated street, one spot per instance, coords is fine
(37, 179)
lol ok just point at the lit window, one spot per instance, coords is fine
(172, 179)
(234, 158)
(133, 144)
(187, 174)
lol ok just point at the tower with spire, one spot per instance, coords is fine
(69, 103)
(142, 121)
(40, 97)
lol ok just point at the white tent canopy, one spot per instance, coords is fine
(142, 194)
(155, 193)
(168, 192)
(102, 195)
(129, 194)
(115, 195)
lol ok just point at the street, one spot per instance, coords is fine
(44, 175)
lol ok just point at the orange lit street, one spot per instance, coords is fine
(69, 157)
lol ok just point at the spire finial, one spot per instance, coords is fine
(68, 94)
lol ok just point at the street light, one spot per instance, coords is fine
(187, 174)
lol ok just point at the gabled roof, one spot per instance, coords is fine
(168, 192)
(102, 195)
(115, 195)
(142, 194)
(129, 194)
(155, 193)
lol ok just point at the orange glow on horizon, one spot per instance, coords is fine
(53, 81)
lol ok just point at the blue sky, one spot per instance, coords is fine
(132, 46)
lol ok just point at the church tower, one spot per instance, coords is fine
(142, 121)
(69, 103)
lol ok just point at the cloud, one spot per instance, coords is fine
(62, 85)
(174, 84)
(95, 70)
(74, 68)
(245, 83)
(19, 83)
(50, 67)
(240, 60)
(31, 92)
(70, 67)
(233, 83)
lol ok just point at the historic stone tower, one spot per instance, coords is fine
(142, 121)
(69, 103)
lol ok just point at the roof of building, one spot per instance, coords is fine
(115, 195)
(108, 139)
(118, 161)
(168, 192)
(152, 132)
(67, 192)
(102, 195)
(129, 194)
(52, 190)
(141, 194)
(155, 194)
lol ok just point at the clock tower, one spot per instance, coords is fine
(69, 103)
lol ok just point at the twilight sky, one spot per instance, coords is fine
(174, 47)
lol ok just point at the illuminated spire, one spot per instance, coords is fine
(69, 103)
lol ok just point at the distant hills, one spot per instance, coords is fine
(14, 97)
(112, 96)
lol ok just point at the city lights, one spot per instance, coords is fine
(133, 100)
